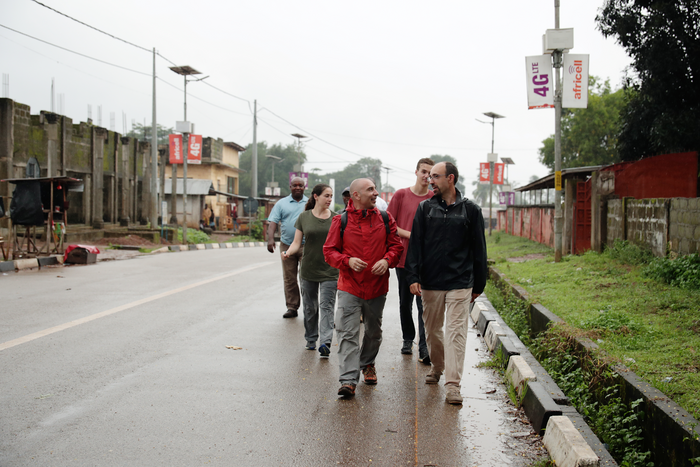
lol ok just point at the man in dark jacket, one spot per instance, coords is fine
(446, 267)
(363, 252)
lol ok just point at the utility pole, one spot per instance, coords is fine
(254, 161)
(558, 218)
(154, 154)
(184, 173)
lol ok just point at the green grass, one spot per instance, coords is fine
(644, 323)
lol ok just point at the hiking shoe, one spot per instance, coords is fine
(324, 350)
(310, 346)
(347, 390)
(432, 377)
(290, 314)
(424, 357)
(370, 374)
(407, 348)
(453, 396)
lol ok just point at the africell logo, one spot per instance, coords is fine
(577, 69)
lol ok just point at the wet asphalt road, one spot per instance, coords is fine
(126, 363)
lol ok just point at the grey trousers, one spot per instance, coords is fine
(319, 305)
(352, 357)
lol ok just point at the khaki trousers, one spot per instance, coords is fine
(448, 308)
(290, 271)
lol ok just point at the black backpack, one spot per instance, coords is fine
(344, 222)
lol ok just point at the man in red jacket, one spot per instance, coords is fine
(363, 251)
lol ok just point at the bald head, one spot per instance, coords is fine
(296, 186)
(363, 193)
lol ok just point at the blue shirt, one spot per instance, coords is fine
(285, 214)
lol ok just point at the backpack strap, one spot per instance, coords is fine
(344, 223)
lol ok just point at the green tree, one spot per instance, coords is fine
(289, 157)
(365, 167)
(588, 136)
(663, 86)
(143, 133)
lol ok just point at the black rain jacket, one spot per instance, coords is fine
(447, 249)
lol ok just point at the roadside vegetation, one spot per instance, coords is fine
(623, 300)
(644, 312)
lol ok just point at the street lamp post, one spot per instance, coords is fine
(493, 116)
(275, 159)
(185, 71)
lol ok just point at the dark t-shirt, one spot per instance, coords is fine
(313, 265)
(403, 207)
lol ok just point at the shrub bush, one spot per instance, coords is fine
(682, 272)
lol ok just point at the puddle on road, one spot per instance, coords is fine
(496, 433)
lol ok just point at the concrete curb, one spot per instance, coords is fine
(214, 246)
(565, 444)
(668, 427)
(38, 263)
(30, 263)
(542, 399)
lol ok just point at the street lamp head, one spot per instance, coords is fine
(298, 135)
(273, 157)
(185, 70)
(493, 115)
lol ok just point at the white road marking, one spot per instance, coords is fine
(87, 319)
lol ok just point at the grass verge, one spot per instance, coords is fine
(641, 322)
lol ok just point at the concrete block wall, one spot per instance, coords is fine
(664, 225)
(85, 151)
(684, 226)
(647, 223)
(615, 220)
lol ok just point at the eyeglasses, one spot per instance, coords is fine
(434, 176)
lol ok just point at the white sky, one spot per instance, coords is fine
(394, 79)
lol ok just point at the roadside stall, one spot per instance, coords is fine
(42, 203)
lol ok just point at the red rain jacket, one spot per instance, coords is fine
(364, 238)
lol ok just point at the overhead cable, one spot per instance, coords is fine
(77, 53)
(93, 27)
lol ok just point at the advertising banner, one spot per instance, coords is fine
(303, 175)
(540, 82)
(484, 172)
(506, 197)
(498, 173)
(175, 148)
(575, 81)
(194, 149)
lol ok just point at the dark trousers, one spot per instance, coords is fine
(406, 311)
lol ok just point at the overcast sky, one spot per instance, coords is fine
(395, 80)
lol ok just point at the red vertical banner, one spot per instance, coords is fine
(484, 172)
(194, 150)
(498, 173)
(175, 148)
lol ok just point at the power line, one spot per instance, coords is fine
(93, 27)
(77, 53)
(315, 136)
(229, 94)
(199, 98)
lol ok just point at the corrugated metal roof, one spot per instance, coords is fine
(548, 180)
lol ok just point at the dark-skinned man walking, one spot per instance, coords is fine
(285, 214)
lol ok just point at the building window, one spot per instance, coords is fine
(232, 185)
